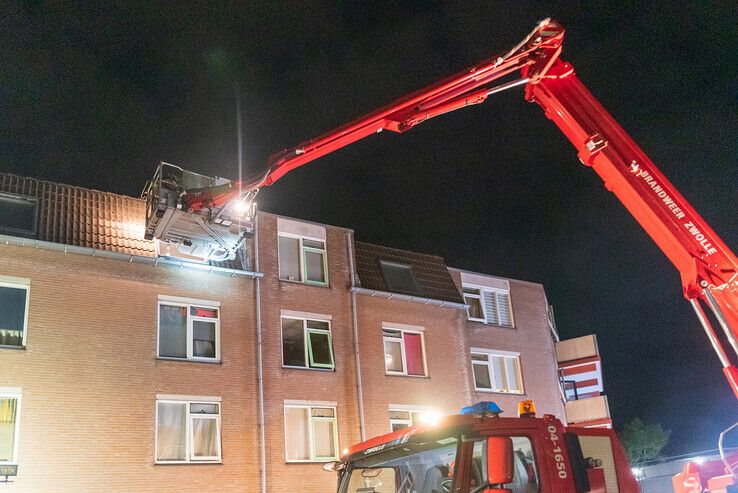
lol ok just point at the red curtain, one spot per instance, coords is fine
(414, 354)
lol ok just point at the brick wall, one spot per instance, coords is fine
(532, 338)
(446, 388)
(302, 384)
(89, 376)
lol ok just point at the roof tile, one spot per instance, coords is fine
(89, 218)
(430, 271)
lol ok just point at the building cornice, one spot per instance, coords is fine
(142, 259)
(404, 297)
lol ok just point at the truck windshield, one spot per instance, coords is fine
(428, 467)
(412, 467)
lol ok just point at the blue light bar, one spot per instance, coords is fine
(484, 407)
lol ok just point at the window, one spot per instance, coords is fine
(189, 330)
(420, 465)
(311, 433)
(302, 259)
(401, 419)
(307, 343)
(10, 400)
(187, 430)
(399, 278)
(18, 215)
(404, 353)
(491, 306)
(525, 473)
(497, 371)
(13, 312)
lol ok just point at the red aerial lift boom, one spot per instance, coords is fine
(207, 220)
(709, 270)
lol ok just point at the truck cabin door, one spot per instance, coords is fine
(498, 464)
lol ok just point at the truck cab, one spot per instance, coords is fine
(480, 452)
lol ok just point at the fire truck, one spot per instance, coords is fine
(207, 219)
(478, 451)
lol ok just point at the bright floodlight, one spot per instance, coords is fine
(240, 207)
(430, 418)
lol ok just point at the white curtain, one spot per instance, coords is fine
(323, 434)
(298, 440)
(499, 372)
(8, 411)
(173, 331)
(511, 366)
(171, 431)
(289, 258)
(205, 437)
(393, 355)
(314, 263)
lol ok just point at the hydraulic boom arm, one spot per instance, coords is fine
(709, 270)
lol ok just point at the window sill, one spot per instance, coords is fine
(303, 368)
(311, 461)
(496, 326)
(499, 392)
(405, 375)
(190, 360)
(317, 285)
(8, 346)
(188, 463)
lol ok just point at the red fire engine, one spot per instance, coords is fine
(207, 219)
(480, 452)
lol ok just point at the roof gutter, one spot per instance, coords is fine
(404, 297)
(93, 252)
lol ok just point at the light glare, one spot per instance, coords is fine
(430, 418)
(240, 207)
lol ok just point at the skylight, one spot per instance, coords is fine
(18, 215)
(399, 278)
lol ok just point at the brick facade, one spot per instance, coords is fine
(90, 375)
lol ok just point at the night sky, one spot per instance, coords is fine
(97, 96)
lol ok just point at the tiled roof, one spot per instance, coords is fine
(88, 218)
(430, 271)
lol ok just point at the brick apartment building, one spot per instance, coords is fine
(126, 371)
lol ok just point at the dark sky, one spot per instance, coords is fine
(96, 96)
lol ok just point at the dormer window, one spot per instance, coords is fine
(399, 278)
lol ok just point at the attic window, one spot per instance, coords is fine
(18, 215)
(399, 278)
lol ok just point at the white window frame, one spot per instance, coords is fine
(411, 410)
(301, 252)
(18, 283)
(490, 353)
(189, 451)
(402, 332)
(480, 297)
(13, 393)
(309, 406)
(187, 302)
(305, 332)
